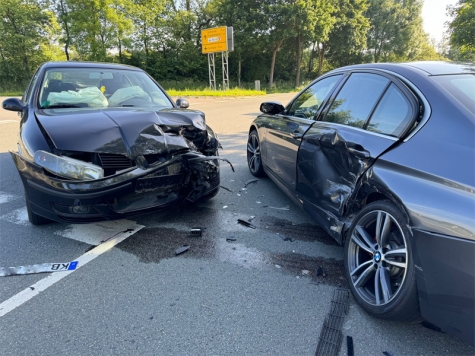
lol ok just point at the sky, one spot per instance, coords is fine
(434, 17)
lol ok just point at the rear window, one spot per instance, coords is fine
(462, 87)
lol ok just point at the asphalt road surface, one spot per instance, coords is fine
(257, 295)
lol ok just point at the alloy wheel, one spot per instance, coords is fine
(377, 258)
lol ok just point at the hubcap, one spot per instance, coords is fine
(377, 258)
(253, 153)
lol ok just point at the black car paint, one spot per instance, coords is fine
(437, 193)
(177, 136)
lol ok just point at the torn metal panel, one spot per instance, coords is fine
(39, 268)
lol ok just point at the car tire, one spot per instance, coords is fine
(33, 218)
(380, 266)
(254, 161)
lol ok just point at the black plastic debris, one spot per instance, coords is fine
(320, 272)
(231, 239)
(151, 318)
(331, 336)
(431, 326)
(195, 231)
(182, 249)
(387, 353)
(250, 181)
(246, 223)
(289, 239)
(349, 346)
(229, 190)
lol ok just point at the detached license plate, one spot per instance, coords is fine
(40, 268)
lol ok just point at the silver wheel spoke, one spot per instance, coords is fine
(361, 244)
(250, 148)
(361, 267)
(365, 276)
(377, 289)
(366, 238)
(396, 263)
(252, 163)
(398, 252)
(383, 228)
(385, 282)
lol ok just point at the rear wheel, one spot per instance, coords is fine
(379, 263)
(35, 219)
(254, 155)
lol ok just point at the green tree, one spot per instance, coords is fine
(462, 28)
(26, 29)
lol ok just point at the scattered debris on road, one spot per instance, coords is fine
(320, 272)
(277, 266)
(287, 207)
(349, 346)
(387, 353)
(246, 223)
(39, 268)
(182, 249)
(250, 181)
(229, 190)
(195, 231)
(231, 239)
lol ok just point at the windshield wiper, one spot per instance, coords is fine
(62, 106)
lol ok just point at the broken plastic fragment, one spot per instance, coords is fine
(387, 353)
(238, 194)
(283, 208)
(229, 190)
(243, 188)
(277, 266)
(232, 238)
(182, 249)
(224, 207)
(208, 158)
(349, 346)
(305, 272)
(320, 272)
(246, 223)
(258, 202)
(195, 231)
(250, 181)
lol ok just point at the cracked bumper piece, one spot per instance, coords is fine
(135, 192)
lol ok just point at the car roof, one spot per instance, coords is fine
(74, 64)
(428, 68)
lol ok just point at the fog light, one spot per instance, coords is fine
(80, 209)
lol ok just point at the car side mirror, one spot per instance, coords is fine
(182, 103)
(272, 107)
(13, 104)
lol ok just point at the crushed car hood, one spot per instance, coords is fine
(124, 131)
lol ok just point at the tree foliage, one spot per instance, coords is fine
(275, 40)
(462, 28)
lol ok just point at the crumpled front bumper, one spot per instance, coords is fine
(188, 177)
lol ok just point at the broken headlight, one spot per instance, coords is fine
(68, 167)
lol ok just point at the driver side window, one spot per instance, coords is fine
(307, 104)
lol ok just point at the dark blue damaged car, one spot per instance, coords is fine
(383, 157)
(103, 141)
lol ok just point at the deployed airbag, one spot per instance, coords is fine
(90, 95)
(124, 94)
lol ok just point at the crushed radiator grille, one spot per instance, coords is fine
(331, 335)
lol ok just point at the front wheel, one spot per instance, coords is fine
(379, 263)
(254, 155)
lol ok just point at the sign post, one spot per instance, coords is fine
(213, 40)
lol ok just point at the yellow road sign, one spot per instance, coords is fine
(214, 40)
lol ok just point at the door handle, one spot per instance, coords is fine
(296, 134)
(363, 154)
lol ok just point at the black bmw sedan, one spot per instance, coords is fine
(383, 157)
(103, 141)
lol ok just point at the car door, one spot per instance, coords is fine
(366, 117)
(285, 130)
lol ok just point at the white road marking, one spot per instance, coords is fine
(9, 121)
(5, 197)
(18, 216)
(94, 234)
(32, 291)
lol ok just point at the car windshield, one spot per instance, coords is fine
(462, 87)
(100, 88)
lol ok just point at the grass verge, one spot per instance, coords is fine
(11, 93)
(216, 93)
